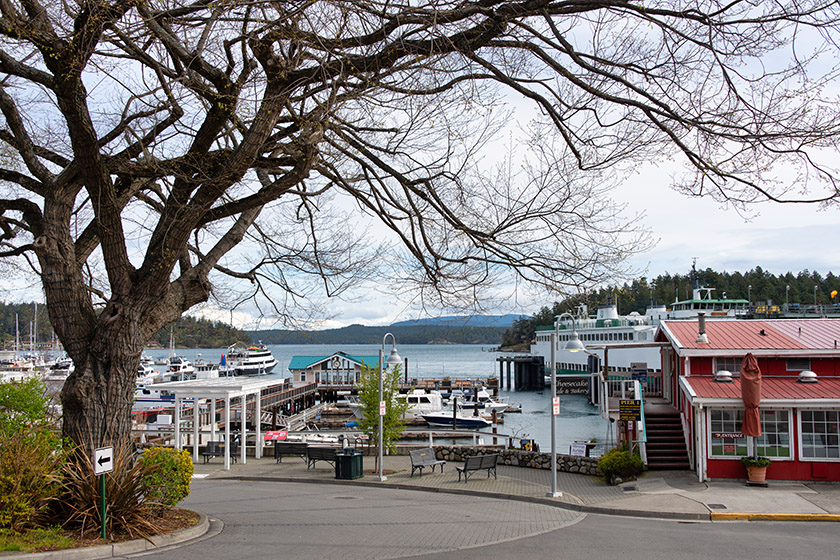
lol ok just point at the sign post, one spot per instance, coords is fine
(103, 462)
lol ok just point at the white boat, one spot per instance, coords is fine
(146, 397)
(254, 360)
(59, 371)
(419, 403)
(463, 419)
(179, 369)
(487, 405)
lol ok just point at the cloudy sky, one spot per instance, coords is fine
(779, 238)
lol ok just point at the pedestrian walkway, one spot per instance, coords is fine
(665, 494)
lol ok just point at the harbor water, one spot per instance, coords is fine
(578, 420)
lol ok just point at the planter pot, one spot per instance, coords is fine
(757, 475)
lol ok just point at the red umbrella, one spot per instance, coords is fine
(751, 395)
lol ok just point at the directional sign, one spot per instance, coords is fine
(103, 460)
(555, 406)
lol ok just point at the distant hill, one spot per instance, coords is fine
(405, 334)
(463, 321)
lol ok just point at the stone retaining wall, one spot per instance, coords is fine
(520, 458)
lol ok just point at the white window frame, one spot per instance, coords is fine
(734, 362)
(709, 432)
(801, 438)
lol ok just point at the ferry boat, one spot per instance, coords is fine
(607, 329)
(254, 360)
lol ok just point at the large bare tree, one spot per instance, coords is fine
(145, 143)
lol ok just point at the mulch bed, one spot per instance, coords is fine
(172, 520)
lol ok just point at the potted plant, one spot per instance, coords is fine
(756, 469)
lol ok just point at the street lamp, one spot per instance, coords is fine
(572, 345)
(749, 295)
(787, 299)
(815, 297)
(393, 359)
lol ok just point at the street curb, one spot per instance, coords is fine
(123, 548)
(735, 516)
(678, 516)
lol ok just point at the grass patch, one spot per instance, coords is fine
(34, 540)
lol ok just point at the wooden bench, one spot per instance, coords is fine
(289, 449)
(217, 449)
(421, 458)
(476, 463)
(314, 454)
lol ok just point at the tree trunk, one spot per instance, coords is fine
(97, 398)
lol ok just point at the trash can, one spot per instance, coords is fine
(348, 464)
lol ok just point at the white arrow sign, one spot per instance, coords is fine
(103, 460)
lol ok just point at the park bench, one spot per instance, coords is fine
(289, 449)
(217, 449)
(476, 463)
(314, 454)
(421, 458)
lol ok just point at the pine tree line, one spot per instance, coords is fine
(757, 285)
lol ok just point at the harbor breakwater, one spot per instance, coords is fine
(521, 458)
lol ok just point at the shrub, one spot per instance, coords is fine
(30, 476)
(755, 461)
(31, 455)
(128, 509)
(168, 475)
(619, 462)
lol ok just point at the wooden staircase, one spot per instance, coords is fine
(665, 441)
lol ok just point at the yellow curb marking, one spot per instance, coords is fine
(734, 516)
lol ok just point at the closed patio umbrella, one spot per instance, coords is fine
(751, 395)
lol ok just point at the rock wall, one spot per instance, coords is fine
(520, 458)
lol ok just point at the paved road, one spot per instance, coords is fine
(316, 521)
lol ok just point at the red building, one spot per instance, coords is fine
(800, 394)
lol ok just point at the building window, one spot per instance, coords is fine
(728, 364)
(724, 422)
(775, 434)
(820, 430)
(798, 364)
(773, 442)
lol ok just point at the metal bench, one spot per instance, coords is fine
(289, 449)
(476, 463)
(421, 458)
(314, 454)
(217, 449)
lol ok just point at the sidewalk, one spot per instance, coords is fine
(661, 494)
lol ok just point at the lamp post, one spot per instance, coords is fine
(749, 295)
(393, 359)
(573, 345)
(815, 297)
(787, 299)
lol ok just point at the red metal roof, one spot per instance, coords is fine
(706, 387)
(779, 334)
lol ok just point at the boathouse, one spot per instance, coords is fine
(335, 369)
(799, 408)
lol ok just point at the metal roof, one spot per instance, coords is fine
(762, 337)
(304, 362)
(705, 388)
(219, 387)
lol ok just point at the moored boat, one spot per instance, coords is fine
(254, 360)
